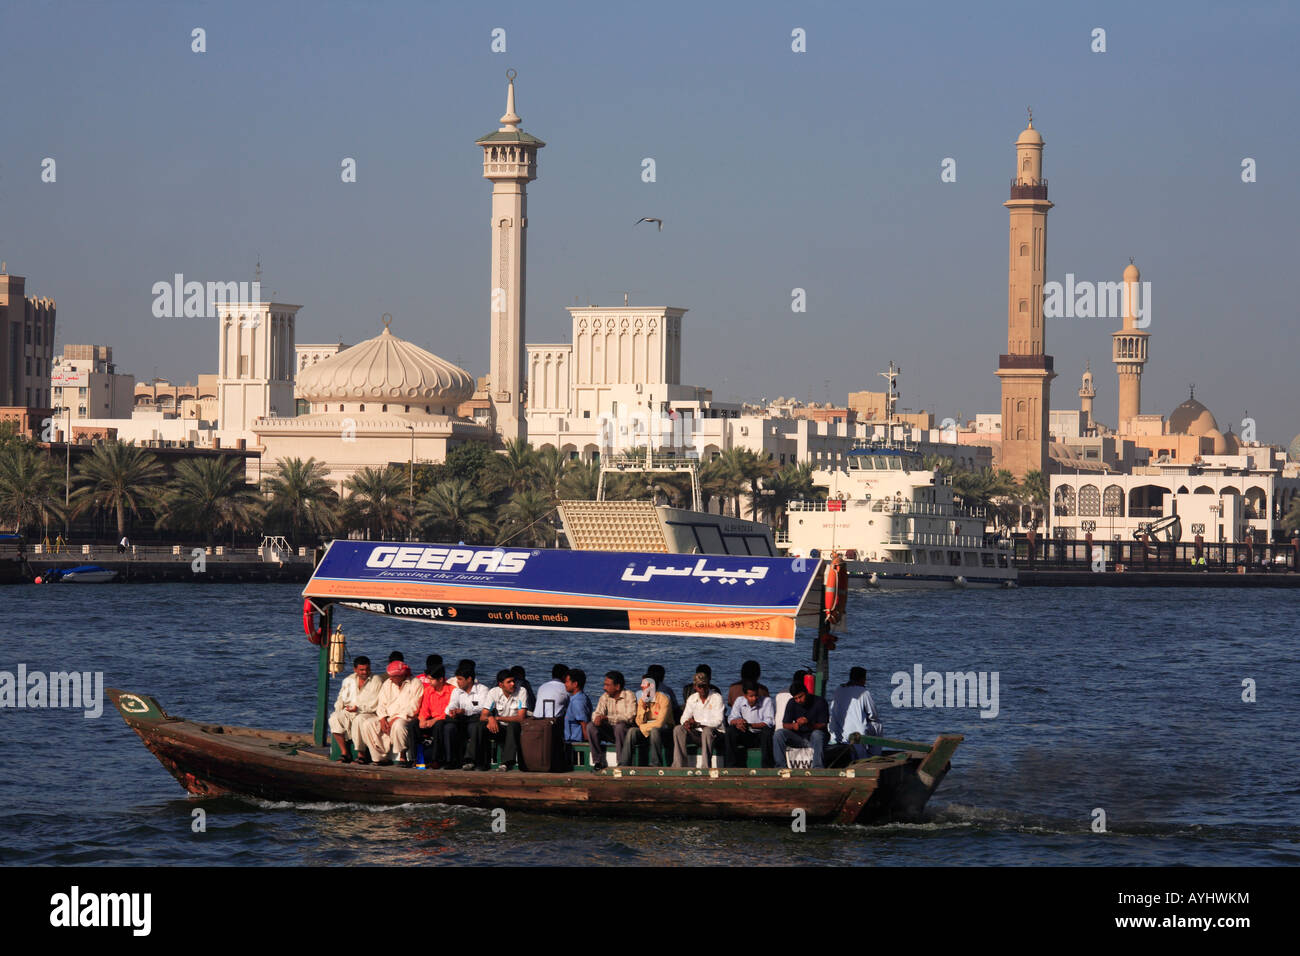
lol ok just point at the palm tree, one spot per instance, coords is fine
(31, 491)
(580, 481)
(1033, 493)
(209, 495)
(1291, 520)
(549, 467)
(302, 496)
(377, 500)
(516, 468)
(455, 509)
(794, 481)
(757, 469)
(720, 479)
(120, 477)
(524, 520)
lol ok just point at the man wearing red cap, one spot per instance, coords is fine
(396, 718)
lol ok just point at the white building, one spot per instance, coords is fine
(85, 384)
(255, 366)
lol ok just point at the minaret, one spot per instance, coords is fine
(1086, 394)
(1026, 370)
(510, 161)
(1130, 353)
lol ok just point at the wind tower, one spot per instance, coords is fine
(1129, 346)
(510, 162)
(1026, 370)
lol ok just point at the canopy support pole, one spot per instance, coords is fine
(321, 725)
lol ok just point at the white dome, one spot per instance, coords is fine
(385, 368)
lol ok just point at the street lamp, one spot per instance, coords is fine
(67, 473)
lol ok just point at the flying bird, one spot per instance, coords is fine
(650, 219)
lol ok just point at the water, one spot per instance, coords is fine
(1120, 699)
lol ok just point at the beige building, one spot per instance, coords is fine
(1026, 370)
(1129, 350)
(255, 366)
(382, 401)
(190, 401)
(85, 384)
(26, 345)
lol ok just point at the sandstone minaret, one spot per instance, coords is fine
(510, 161)
(1087, 392)
(1130, 353)
(1026, 369)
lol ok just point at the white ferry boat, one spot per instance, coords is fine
(897, 526)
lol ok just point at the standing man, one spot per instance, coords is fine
(615, 711)
(396, 718)
(701, 722)
(752, 724)
(802, 725)
(357, 700)
(503, 713)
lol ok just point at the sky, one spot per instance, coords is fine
(775, 170)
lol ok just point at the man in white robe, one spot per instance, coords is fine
(357, 700)
(396, 719)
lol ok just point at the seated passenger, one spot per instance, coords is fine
(432, 716)
(748, 671)
(615, 712)
(396, 718)
(802, 725)
(503, 713)
(656, 673)
(578, 711)
(552, 697)
(689, 690)
(521, 681)
(654, 721)
(701, 722)
(752, 724)
(459, 733)
(853, 711)
(357, 700)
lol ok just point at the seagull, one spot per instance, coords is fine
(650, 219)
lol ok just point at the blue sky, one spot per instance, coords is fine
(775, 170)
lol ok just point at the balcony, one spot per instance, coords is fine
(1042, 363)
(1035, 190)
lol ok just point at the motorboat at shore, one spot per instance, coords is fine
(81, 574)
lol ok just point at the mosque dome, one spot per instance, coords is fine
(1030, 136)
(1231, 443)
(385, 368)
(1293, 449)
(1219, 444)
(1192, 418)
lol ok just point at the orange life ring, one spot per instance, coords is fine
(836, 584)
(310, 625)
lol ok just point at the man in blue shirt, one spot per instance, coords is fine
(578, 712)
(752, 723)
(553, 696)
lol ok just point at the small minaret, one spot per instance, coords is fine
(510, 162)
(1129, 346)
(1026, 368)
(1086, 394)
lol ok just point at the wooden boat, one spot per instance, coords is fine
(214, 760)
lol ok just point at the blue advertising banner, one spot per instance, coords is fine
(716, 595)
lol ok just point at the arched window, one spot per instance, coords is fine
(1024, 305)
(1063, 501)
(1112, 501)
(1024, 248)
(1089, 501)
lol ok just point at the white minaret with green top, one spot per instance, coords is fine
(510, 161)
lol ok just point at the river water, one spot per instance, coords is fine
(1124, 701)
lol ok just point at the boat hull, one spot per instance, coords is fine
(886, 576)
(216, 760)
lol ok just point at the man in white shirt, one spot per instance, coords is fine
(357, 700)
(552, 698)
(396, 718)
(468, 699)
(853, 711)
(701, 722)
(502, 717)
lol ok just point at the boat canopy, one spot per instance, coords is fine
(753, 598)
